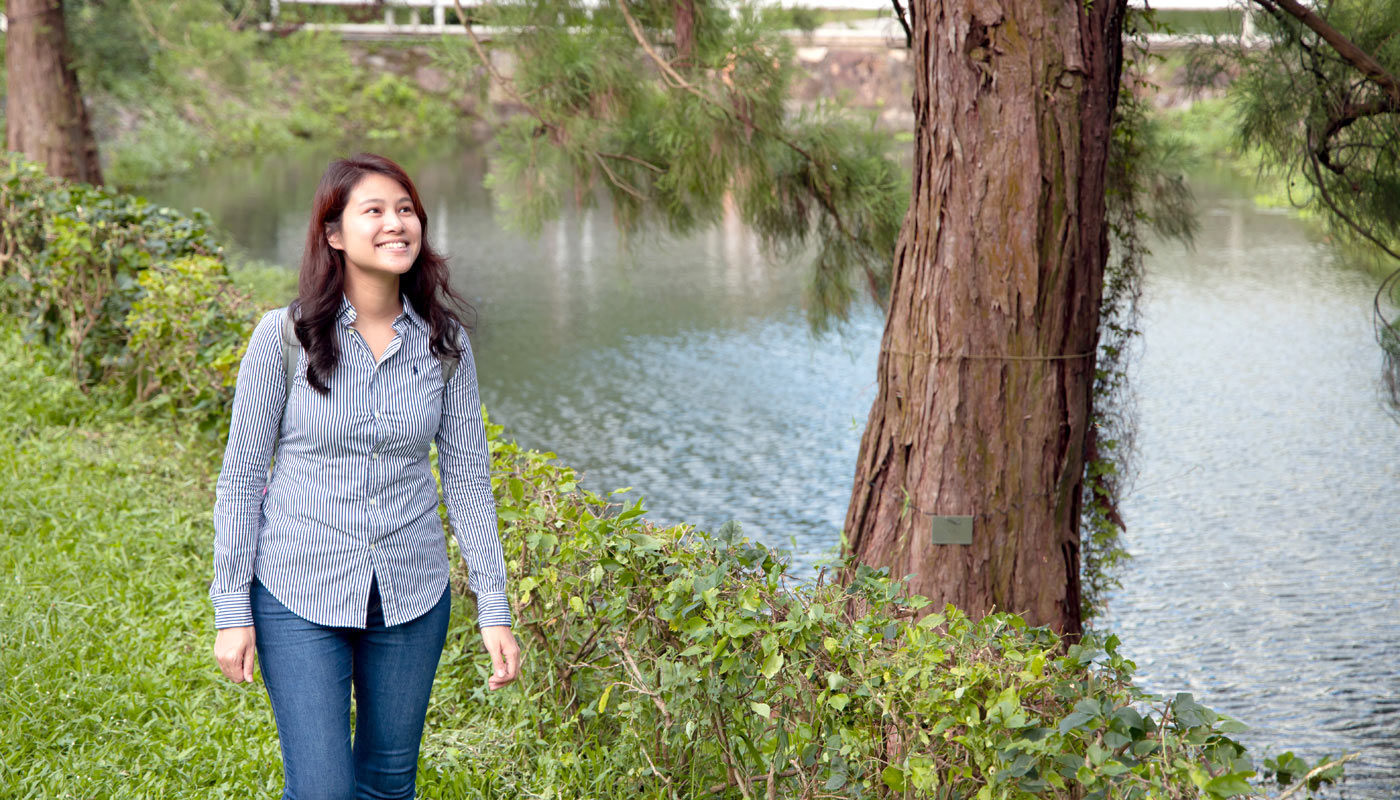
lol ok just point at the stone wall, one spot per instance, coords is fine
(866, 79)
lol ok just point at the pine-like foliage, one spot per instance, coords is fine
(672, 110)
(1332, 118)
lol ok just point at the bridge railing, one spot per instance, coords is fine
(882, 31)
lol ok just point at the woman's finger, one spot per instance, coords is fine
(512, 658)
(498, 666)
(250, 655)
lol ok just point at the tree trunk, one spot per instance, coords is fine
(685, 32)
(987, 363)
(44, 117)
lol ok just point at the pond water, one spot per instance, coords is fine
(1265, 576)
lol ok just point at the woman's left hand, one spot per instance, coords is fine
(504, 652)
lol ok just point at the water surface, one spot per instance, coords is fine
(1265, 577)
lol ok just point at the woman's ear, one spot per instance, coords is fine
(333, 239)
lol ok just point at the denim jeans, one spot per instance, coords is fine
(309, 669)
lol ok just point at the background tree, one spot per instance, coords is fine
(45, 118)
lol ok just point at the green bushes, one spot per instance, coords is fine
(680, 664)
(188, 331)
(132, 294)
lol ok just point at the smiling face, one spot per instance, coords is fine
(379, 231)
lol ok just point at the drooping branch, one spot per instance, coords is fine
(1344, 47)
(675, 80)
(1349, 114)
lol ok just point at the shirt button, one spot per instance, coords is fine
(371, 547)
(373, 501)
(374, 455)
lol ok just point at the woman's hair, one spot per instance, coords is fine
(322, 281)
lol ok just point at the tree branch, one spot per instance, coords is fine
(1344, 47)
(1350, 113)
(641, 682)
(674, 79)
(904, 23)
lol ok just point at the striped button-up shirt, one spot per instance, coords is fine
(352, 496)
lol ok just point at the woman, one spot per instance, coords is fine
(334, 569)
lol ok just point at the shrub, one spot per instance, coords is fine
(132, 294)
(188, 330)
(678, 663)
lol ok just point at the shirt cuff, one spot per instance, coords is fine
(492, 609)
(232, 609)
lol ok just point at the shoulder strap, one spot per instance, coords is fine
(290, 346)
(449, 363)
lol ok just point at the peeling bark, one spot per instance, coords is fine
(45, 118)
(987, 361)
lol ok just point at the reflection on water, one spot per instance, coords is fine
(1264, 577)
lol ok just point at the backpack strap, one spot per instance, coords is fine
(449, 363)
(290, 346)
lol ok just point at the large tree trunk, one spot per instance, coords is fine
(987, 363)
(44, 116)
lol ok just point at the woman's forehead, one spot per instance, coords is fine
(377, 187)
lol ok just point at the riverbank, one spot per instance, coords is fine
(105, 636)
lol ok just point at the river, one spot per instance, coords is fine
(1265, 577)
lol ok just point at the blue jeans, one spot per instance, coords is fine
(308, 670)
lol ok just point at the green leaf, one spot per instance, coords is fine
(762, 709)
(772, 664)
(893, 777)
(603, 701)
(1229, 785)
(644, 541)
(932, 621)
(1074, 720)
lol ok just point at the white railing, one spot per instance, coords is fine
(874, 32)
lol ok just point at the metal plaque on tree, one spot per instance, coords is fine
(952, 530)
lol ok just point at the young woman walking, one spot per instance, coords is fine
(333, 568)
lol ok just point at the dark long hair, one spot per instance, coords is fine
(322, 281)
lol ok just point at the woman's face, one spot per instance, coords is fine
(379, 231)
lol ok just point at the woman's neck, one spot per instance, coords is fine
(374, 300)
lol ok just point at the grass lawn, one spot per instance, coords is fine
(108, 686)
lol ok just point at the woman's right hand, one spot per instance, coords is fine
(235, 650)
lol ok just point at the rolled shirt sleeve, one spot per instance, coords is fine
(465, 463)
(259, 398)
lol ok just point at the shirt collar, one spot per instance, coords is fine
(411, 314)
(347, 313)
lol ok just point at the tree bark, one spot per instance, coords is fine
(45, 118)
(684, 28)
(987, 362)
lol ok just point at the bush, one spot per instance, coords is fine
(675, 663)
(188, 330)
(132, 294)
